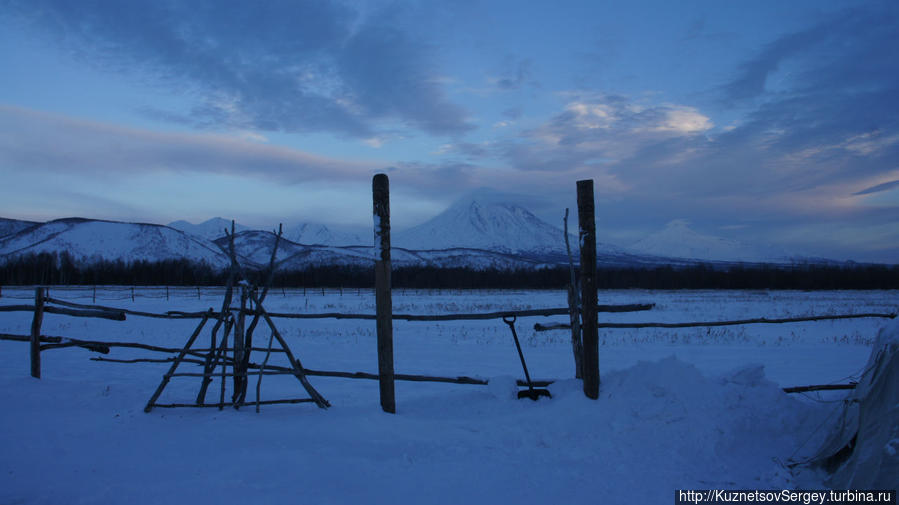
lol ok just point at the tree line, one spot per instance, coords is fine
(62, 269)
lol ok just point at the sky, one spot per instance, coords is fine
(769, 122)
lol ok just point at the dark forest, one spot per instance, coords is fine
(60, 269)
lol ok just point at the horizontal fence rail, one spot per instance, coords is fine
(703, 324)
(119, 313)
(68, 308)
(133, 293)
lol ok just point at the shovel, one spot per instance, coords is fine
(531, 392)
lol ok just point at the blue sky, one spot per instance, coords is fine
(769, 122)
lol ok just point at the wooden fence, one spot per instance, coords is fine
(582, 309)
(43, 304)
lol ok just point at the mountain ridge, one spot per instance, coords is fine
(678, 240)
(489, 224)
(482, 230)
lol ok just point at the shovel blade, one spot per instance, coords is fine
(534, 394)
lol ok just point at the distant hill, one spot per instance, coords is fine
(484, 230)
(87, 240)
(11, 226)
(678, 240)
(210, 229)
(311, 233)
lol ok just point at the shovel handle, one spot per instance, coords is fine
(510, 320)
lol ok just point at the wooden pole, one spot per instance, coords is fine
(36, 332)
(297, 367)
(380, 188)
(573, 306)
(181, 355)
(239, 345)
(224, 318)
(590, 336)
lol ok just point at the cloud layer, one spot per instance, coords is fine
(793, 135)
(275, 66)
(37, 141)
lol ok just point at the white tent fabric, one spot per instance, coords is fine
(863, 450)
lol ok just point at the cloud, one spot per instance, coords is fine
(36, 141)
(596, 132)
(275, 66)
(826, 130)
(389, 75)
(886, 186)
(850, 51)
(829, 120)
(512, 113)
(517, 78)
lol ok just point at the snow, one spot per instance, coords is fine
(312, 233)
(682, 408)
(483, 231)
(301, 233)
(88, 240)
(13, 226)
(210, 229)
(678, 240)
(484, 220)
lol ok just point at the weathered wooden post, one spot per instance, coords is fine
(36, 332)
(574, 318)
(587, 239)
(380, 188)
(240, 376)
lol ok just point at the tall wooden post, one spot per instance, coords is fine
(36, 332)
(240, 376)
(380, 188)
(590, 336)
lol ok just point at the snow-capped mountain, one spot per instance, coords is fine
(482, 231)
(303, 233)
(311, 233)
(10, 226)
(678, 240)
(210, 229)
(254, 249)
(90, 240)
(484, 220)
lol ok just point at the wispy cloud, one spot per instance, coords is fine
(518, 76)
(886, 186)
(596, 132)
(821, 59)
(37, 141)
(276, 66)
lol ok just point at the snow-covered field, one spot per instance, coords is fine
(686, 408)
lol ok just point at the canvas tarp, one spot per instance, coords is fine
(863, 450)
